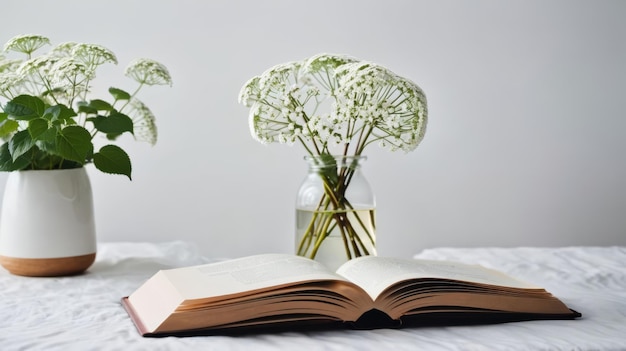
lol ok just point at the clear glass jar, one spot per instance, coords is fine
(335, 211)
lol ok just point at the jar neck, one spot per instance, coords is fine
(317, 163)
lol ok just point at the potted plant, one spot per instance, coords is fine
(335, 106)
(52, 127)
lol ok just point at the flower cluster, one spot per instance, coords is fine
(329, 102)
(333, 100)
(48, 102)
(149, 72)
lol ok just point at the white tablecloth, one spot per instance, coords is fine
(84, 312)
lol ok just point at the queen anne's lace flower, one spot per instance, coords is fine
(63, 49)
(91, 55)
(320, 68)
(335, 100)
(144, 122)
(9, 85)
(67, 67)
(8, 65)
(36, 65)
(149, 72)
(26, 44)
(275, 108)
(394, 107)
(67, 78)
(10, 81)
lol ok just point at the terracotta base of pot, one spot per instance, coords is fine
(47, 267)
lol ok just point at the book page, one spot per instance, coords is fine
(374, 273)
(245, 274)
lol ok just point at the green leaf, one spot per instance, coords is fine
(85, 108)
(47, 146)
(74, 143)
(49, 136)
(20, 143)
(116, 123)
(25, 107)
(37, 127)
(113, 136)
(7, 126)
(6, 160)
(112, 159)
(59, 113)
(119, 94)
(100, 105)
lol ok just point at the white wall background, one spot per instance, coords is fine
(525, 143)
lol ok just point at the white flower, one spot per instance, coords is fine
(8, 66)
(63, 49)
(91, 55)
(249, 92)
(37, 65)
(149, 72)
(10, 84)
(392, 105)
(10, 81)
(26, 44)
(326, 62)
(365, 102)
(36, 73)
(144, 122)
(67, 69)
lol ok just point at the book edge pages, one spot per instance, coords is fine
(134, 317)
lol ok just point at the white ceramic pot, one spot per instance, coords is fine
(47, 225)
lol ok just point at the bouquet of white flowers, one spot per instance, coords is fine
(328, 103)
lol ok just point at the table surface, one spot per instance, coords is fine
(84, 312)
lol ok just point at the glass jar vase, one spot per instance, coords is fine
(335, 211)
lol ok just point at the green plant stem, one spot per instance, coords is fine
(131, 96)
(333, 213)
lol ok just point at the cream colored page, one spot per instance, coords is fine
(375, 274)
(244, 274)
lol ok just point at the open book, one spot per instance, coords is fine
(285, 290)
